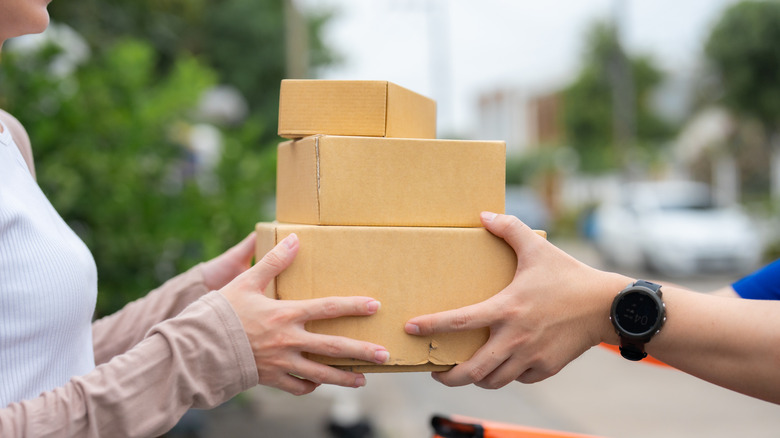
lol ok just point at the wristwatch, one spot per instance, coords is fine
(638, 312)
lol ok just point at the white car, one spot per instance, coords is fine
(675, 229)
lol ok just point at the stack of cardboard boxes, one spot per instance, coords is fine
(384, 209)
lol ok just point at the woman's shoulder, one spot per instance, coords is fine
(20, 137)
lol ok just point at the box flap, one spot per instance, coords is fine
(297, 180)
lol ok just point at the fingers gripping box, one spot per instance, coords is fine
(410, 270)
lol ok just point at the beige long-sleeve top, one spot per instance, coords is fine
(179, 347)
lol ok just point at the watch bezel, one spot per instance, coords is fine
(648, 292)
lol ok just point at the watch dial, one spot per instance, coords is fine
(636, 313)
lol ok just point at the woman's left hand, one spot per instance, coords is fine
(222, 269)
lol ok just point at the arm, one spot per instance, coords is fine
(557, 307)
(20, 137)
(224, 343)
(726, 291)
(199, 359)
(116, 333)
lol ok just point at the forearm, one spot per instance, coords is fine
(199, 359)
(731, 343)
(118, 332)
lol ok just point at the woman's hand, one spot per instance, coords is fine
(552, 312)
(220, 270)
(276, 328)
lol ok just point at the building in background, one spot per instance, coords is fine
(525, 119)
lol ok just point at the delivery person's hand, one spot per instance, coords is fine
(276, 328)
(547, 316)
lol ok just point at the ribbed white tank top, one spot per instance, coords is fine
(48, 287)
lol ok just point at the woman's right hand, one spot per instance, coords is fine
(275, 328)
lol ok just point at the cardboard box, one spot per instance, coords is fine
(331, 180)
(410, 270)
(360, 108)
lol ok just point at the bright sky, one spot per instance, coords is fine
(452, 50)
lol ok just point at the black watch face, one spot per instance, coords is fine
(637, 312)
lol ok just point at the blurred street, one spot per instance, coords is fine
(599, 393)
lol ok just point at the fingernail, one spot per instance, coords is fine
(289, 241)
(413, 329)
(360, 381)
(488, 216)
(373, 306)
(381, 356)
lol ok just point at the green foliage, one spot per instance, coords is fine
(242, 40)
(588, 104)
(743, 54)
(743, 50)
(107, 139)
(107, 160)
(529, 167)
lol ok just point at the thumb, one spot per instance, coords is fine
(509, 228)
(275, 261)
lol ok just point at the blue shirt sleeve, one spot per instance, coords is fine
(763, 284)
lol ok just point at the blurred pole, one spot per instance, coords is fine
(774, 165)
(440, 70)
(623, 97)
(296, 42)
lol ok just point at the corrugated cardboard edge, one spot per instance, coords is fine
(393, 368)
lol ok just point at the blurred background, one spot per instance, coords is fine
(642, 135)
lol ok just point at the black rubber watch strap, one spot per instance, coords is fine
(652, 286)
(632, 350)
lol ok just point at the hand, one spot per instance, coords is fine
(220, 270)
(276, 328)
(553, 311)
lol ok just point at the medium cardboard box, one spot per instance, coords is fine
(361, 108)
(410, 270)
(333, 180)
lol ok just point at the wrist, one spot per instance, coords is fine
(610, 285)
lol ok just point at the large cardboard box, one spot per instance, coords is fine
(360, 108)
(333, 180)
(410, 270)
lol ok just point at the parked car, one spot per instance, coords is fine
(674, 228)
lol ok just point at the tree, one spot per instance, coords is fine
(107, 162)
(743, 52)
(243, 41)
(589, 105)
(105, 135)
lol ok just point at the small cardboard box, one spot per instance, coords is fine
(332, 180)
(410, 270)
(360, 108)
